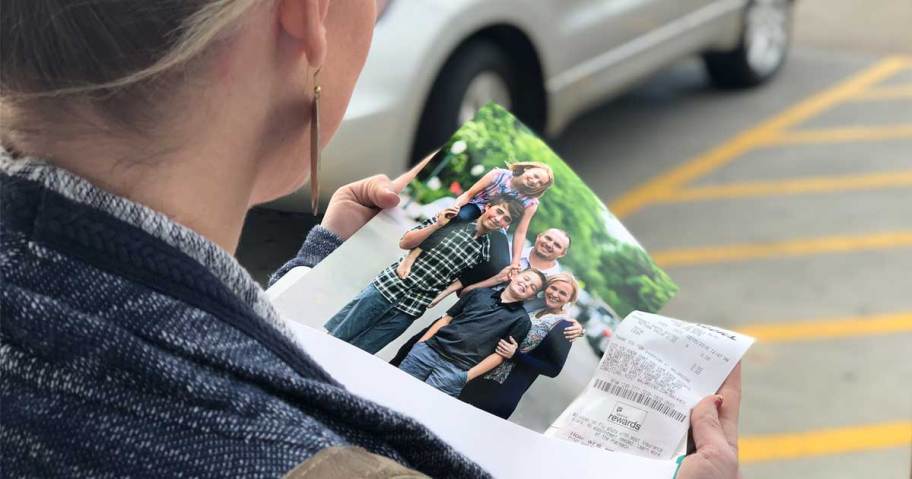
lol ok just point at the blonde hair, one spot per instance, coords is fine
(520, 167)
(189, 34)
(564, 277)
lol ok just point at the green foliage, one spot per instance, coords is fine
(619, 273)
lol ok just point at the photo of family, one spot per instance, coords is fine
(498, 259)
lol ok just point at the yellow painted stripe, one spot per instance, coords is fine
(825, 442)
(892, 92)
(823, 184)
(800, 247)
(834, 135)
(647, 193)
(815, 330)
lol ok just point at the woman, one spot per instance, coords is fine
(136, 134)
(543, 351)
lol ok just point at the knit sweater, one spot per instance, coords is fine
(132, 346)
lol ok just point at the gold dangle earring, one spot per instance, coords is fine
(315, 147)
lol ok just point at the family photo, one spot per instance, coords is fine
(497, 262)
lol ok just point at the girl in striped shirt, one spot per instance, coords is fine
(525, 181)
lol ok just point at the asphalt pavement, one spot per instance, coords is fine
(782, 212)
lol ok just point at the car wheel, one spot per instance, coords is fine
(763, 48)
(477, 73)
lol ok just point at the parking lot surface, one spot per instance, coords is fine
(797, 230)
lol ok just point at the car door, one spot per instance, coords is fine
(593, 43)
(592, 27)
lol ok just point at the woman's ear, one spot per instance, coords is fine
(303, 20)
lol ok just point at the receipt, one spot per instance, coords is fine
(654, 371)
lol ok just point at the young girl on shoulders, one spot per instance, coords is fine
(525, 181)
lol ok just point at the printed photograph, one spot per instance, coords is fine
(497, 280)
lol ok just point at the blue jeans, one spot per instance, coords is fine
(369, 321)
(425, 364)
(468, 213)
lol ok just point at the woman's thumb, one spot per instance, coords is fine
(707, 430)
(381, 192)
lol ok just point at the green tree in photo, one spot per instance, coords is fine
(619, 273)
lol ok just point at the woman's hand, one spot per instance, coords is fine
(354, 204)
(506, 349)
(574, 331)
(715, 432)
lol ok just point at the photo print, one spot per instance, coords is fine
(496, 281)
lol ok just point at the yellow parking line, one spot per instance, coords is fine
(834, 135)
(769, 447)
(743, 252)
(815, 330)
(822, 184)
(647, 193)
(892, 92)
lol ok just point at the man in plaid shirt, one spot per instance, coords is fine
(390, 303)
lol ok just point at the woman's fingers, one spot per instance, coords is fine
(354, 204)
(382, 192)
(715, 432)
(731, 405)
(707, 429)
(378, 192)
(717, 454)
(715, 418)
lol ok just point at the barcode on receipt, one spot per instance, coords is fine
(624, 391)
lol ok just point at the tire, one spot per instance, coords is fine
(479, 60)
(762, 51)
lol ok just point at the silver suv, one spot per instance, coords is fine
(433, 63)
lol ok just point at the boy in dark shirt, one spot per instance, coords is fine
(461, 345)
